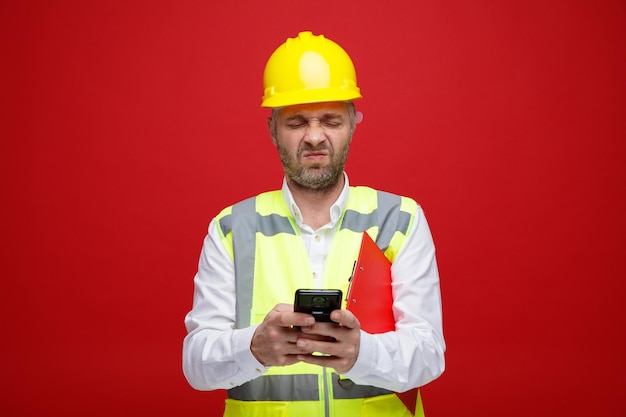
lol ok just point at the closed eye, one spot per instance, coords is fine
(333, 121)
(333, 124)
(296, 122)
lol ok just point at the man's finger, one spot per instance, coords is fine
(286, 317)
(345, 318)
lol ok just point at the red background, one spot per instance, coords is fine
(127, 125)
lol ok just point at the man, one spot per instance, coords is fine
(243, 333)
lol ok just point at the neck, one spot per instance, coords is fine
(315, 204)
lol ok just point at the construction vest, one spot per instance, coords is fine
(271, 262)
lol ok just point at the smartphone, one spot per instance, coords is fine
(318, 303)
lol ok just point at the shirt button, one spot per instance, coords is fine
(314, 274)
(317, 238)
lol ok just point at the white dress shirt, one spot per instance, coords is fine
(216, 355)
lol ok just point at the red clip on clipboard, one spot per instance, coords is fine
(370, 298)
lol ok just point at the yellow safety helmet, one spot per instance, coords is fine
(308, 69)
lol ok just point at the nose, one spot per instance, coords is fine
(314, 132)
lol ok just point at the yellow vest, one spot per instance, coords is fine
(271, 262)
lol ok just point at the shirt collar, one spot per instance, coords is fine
(335, 210)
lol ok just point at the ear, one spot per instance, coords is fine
(358, 118)
(271, 130)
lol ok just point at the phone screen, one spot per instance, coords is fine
(318, 303)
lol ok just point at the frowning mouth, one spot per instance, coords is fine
(314, 154)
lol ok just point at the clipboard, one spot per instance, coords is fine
(370, 298)
(369, 294)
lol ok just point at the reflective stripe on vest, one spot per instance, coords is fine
(298, 388)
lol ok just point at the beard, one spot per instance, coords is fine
(315, 177)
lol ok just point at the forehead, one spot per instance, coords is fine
(315, 109)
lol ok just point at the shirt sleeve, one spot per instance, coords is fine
(215, 354)
(413, 355)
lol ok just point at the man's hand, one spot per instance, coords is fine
(274, 341)
(338, 342)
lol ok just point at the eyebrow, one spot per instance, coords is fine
(325, 116)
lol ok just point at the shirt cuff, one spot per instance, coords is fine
(367, 357)
(249, 366)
